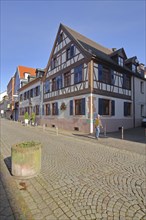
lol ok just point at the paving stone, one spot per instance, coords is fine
(80, 178)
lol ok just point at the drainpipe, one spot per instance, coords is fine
(133, 101)
(91, 97)
(91, 113)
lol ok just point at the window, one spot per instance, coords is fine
(21, 97)
(31, 93)
(127, 109)
(120, 61)
(126, 82)
(37, 90)
(78, 74)
(105, 75)
(21, 111)
(67, 79)
(134, 68)
(58, 82)
(80, 106)
(37, 109)
(47, 86)
(53, 84)
(48, 110)
(142, 110)
(106, 107)
(54, 63)
(55, 108)
(70, 52)
(25, 95)
(142, 87)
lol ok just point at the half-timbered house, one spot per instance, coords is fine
(83, 79)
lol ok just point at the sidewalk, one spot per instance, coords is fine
(131, 137)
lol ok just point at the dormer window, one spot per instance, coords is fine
(133, 68)
(120, 61)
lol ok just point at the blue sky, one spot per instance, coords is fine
(28, 29)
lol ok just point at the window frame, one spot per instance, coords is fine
(120, 61)
(80, 107)
(78, 74)
(67, 79)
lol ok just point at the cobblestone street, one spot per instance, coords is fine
(81, 178)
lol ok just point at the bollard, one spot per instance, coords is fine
(122, 132)
(105, 131)
(57, 131)
(44, 127)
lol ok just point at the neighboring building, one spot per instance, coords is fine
(2, 95)
(31, 96)
(10, 92)
(3, 104)
(21, 78)
(83, 79)
(145, 72)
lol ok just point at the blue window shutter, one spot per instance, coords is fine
(99, 72)
(38, 90)
(60, 81)
(75, 77)
(42, 109)
(83, 106)
(112, 107)
(100, 106)
(125, 108)
(112, 77)
(49, 110)
(71, 107)
(56, 110)
(34, 92)
(124, 81)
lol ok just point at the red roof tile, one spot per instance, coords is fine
(22, 70)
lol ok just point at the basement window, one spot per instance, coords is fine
(76, 128)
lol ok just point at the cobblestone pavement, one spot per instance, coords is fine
(81, 178)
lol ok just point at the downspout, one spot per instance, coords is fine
(91, 97)
(133, 101)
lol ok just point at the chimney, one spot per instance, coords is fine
(114, 49)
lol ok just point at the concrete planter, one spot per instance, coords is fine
(26, 121)
(26, 160)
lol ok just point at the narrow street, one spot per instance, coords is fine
(81, 178)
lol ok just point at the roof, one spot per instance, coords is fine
(84, 40)
(119, 52)
(131, 60)
(22, 70)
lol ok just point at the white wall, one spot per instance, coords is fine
(140, 99)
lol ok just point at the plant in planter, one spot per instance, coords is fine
(63, 106)
(33, 117)
(26, 159)
(26, 118)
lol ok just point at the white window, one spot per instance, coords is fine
(142, 87)
(120, 61)
(142, 110)
(133, 68)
